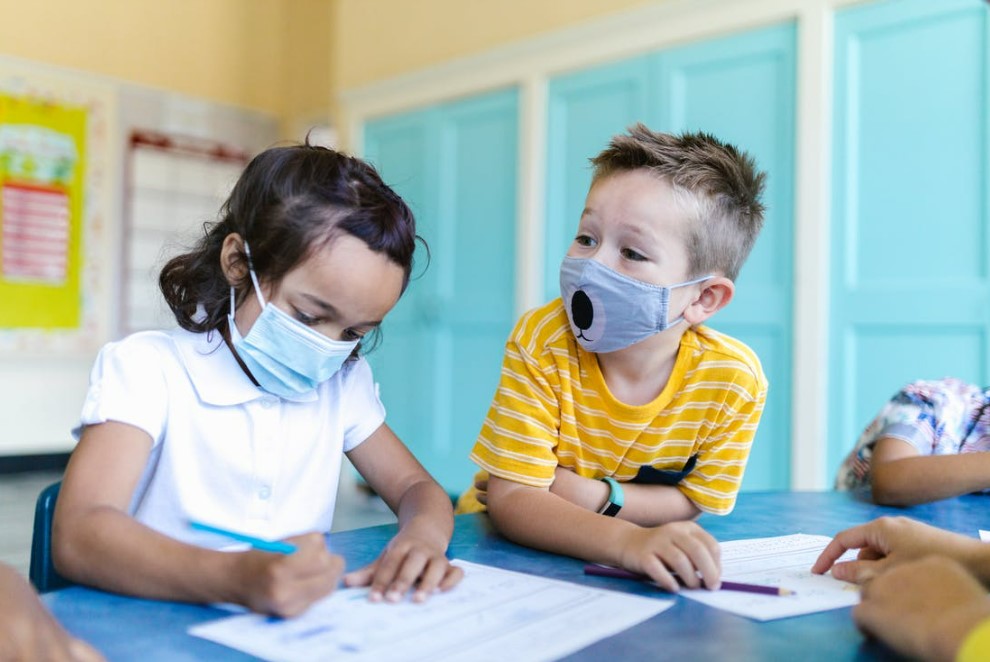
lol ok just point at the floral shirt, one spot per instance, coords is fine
(940, 417)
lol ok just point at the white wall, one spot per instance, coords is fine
(44, 375)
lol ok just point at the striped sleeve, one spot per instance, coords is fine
(715, 480)
(519, 435)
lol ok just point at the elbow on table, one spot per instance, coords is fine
(66, 550)
(498, 512)
(890, 491)
(507, 510)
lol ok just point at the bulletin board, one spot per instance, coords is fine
(42, 161)
(56, 155)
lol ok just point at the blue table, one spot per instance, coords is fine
(131, 629)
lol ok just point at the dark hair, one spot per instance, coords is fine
(288, 203)
(721, 181)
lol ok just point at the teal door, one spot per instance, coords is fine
(911, 251)
(740, 88)
(441, 354)
(585, 110)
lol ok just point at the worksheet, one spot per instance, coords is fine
(492, 614)
(785, 562)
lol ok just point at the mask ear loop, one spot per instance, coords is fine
(680, 318)
(254, 279)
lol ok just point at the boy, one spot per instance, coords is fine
(617, 416)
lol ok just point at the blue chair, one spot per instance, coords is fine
(43, 574)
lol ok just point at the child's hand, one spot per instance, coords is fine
(408, 561)
(887, 541)
(481, 490)
(683, 548)
(287, 584)
(923, 609)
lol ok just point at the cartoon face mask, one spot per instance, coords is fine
(609, 311)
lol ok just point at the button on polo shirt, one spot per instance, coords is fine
(224, 451)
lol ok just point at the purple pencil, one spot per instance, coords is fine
(621, 573)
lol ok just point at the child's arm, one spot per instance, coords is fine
(646, 505)
(902, 477)
(537, 518)
(96, 542)
(415, 557)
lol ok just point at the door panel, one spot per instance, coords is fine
(910, 245)
(438, 366)
(585, 110)
(742, 90)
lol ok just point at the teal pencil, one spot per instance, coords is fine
(276, 546)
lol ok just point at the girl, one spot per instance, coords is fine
(238, 418)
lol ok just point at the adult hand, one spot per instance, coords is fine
(923, 609)
(888, 541)
(28, 631)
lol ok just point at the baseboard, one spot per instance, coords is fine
(20, 464)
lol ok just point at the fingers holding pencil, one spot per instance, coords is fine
(682, 548)
(287, 584)
(280, 577)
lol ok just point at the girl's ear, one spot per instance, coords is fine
(715, 295)
(232, 259)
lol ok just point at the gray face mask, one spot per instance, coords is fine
(609, 311)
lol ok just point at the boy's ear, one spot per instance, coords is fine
(715, 295)
(232, 259)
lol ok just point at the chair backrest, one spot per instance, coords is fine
(43, 574)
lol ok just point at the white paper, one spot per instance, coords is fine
(984, 535)
(785, 562)
(492, 614)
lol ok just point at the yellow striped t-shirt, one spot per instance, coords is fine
(553, 407)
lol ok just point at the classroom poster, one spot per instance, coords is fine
(42, 169)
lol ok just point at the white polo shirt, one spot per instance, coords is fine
(226, 452)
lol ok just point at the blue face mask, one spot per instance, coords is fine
(285, 357)
(609, 311)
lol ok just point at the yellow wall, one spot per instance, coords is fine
(309, 87)
(266, 55)
(378, 39)
(288, 58)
